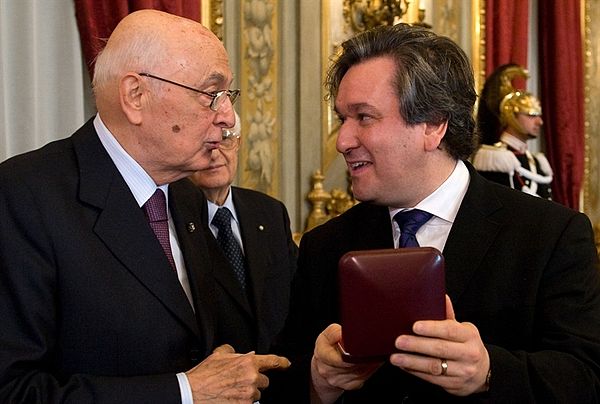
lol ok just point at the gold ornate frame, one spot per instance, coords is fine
(259, 81)
(211, 16)
(591, 186)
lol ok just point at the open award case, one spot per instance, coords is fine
(381, 295)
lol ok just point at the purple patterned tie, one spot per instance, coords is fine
(229, 245)
(155, 209)
(410, 221)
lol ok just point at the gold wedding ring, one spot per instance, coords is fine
(444, 365)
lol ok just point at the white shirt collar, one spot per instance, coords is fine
(140, 183)
(513, 142)
(445, 201)
(212, 207)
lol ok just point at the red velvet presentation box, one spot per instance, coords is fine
(383, 293)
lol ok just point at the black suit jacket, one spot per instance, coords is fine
(91, 310)
(522, 269)
(253, 320)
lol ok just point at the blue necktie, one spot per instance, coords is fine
(410, 221)
(229, 245)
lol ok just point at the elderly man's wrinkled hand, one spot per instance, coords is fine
(226, 376)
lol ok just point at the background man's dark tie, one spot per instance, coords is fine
(155, 209)
(410, 221)
(229, 245)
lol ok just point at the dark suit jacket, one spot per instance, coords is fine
(91, 310)
(522, 269)
(252, 322)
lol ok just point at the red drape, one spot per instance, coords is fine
(506, 24)
(97, 19)
(562, 96)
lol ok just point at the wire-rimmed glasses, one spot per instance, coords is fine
(217, 97)
(229, 139)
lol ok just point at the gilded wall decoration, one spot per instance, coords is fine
(335, 30)
(366, 14)
(259, 154)
(212, 16)
(591, 187)
(464, 23)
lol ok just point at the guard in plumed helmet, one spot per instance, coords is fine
(508, 118)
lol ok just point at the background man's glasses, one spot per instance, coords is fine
(229, 139)
(217, 97)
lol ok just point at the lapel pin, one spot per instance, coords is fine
(191, 227)
(261, 227)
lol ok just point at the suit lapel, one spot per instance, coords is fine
(187, 205)
(373, 228)
(122, 227)
(253, 224)
(471, 235)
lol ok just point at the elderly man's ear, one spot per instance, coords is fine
(131, 97)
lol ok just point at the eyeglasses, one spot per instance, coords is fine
(217, 97)
(229, 139)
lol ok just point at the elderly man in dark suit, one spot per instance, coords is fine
(254, 272)
(523, 308)
(105, 285)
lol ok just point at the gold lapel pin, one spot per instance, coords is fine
(261, 227)
(191, 227)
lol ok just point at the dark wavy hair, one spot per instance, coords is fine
(434, 80)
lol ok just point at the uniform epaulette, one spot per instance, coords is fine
(495, 158)
(544, 164)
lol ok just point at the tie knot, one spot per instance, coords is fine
(411, 220)
(222, 219)
(156, 207)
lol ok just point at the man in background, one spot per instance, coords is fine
(257, 255)
(105, 292)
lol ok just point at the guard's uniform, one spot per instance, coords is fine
(510, 163)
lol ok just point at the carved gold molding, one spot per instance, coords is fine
(587, 74)
(478, 42)
(259, 155)
(590, 11)
(211, 16)
(329, 45)
(362, 15)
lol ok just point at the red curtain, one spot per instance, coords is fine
(97, 19)
(562, 96)
(506, 24)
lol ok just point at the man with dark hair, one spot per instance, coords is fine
(522, 280)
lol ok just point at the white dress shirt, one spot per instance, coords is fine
(235, 228)
(443, 203)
